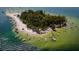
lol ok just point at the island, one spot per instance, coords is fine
(37, 27)
(39, 22)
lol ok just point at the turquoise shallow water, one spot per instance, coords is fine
(8, 39)
(69, 40)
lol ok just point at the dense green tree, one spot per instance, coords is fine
(39, 20)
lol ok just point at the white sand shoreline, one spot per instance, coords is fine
(19, 25)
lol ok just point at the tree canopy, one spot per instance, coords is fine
(39, 20)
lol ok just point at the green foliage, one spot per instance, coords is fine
(39, 20)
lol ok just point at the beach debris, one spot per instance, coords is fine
(22, 28)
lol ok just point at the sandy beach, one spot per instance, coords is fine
(19, 25)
